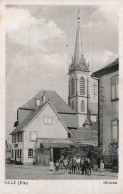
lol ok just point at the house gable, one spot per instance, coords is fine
(54, 128)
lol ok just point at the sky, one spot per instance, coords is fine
(37, 57)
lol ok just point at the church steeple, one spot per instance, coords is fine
(79, 61)
(78, 44)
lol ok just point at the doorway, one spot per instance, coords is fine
(56, 154)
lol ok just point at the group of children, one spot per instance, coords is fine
(75, 165)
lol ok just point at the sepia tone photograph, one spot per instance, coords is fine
(62, 92)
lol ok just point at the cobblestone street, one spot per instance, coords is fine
(43, 173)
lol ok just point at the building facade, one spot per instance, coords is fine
(83, 88)
(108, 106)
(42, 129)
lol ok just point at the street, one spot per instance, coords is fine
(21, 172)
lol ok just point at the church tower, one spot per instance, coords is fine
(79, 75)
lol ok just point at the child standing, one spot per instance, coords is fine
(57, 166)
(51, 164)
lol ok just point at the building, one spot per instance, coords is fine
(42, 128)
(83, 88)
(108, 105)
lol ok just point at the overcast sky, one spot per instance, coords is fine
(37, 57)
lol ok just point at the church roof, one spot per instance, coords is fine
(59, 104)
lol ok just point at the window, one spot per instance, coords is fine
(20, 153)
(12, 154)
(14, 138)
(115, 87)
(114, 126)
(82, 106)
(30, 153)
(82, 86)
(33, 135)
(18, 137)
(72, 87)
(48, 120)
(72, 105)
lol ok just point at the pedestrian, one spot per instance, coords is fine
(82, 165)
(89, 166)
(70, 166)
(78, 164)
(85, 165)
(74, 165)
(101, 166)
(66, 165)
(51, 164)
(57, 166)
(61, 162)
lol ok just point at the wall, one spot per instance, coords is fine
(108, 112)
(56, 130)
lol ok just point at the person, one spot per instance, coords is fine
(65, 161)
(61, 162)
(78, 164)
(85, 165)
(74, 165)
(82, 165)
(101, 166)
(88, 166)
(51, 164)
(57, 166)
(70, 165)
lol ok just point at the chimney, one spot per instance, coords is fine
(44, 97)
(37, 103)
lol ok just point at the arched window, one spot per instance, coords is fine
(82, 86)
(82, 106)
(72, 87)
(72, 104)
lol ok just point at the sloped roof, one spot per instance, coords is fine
(27, 120)
(85, 136)
(114, 66)
(58, 103)
(70, 120)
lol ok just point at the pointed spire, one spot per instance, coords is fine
(78, 45)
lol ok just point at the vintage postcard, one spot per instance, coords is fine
(61, 118)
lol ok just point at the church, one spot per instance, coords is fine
(46, 124)
(83, 90)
